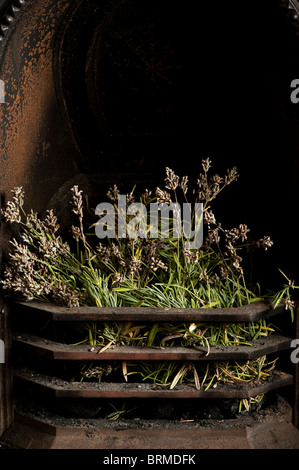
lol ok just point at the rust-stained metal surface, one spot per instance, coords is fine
(49, 137)
(35, 148)
(58, 351)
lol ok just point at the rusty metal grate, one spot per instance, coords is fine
(58, 351)
(27, 343)
(246, 313)
(61, 389)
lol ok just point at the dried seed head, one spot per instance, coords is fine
(130, 199)
(265, 242)
(50, 224)
(224, 273)
(118, 278)
(64, 295)
(104, 252)
(163, 196)
(206, 164)
(191, 256)
(232, 235)
(243, 231)
(76, 233)
(18, 196)
(117, 253)
(184, 184)
(216, 179)
(134, 265)
(171, 180)
(232, 175)
(209, 217)
(146, 196)
(157, 263)
(77, 201)
(32, 220)
(98, 371)
(12, 212)
(212, 237)
(204, 275)
(289, 304)
(113, 193)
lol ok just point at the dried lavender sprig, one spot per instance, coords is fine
(171, 180)
(77, 208)
(14, 209)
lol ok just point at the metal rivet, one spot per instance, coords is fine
(15, 9)
(19, 3)
(7, 19)
(3, 28)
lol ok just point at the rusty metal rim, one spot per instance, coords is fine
(246, 313)
(61, 389)
(9, 15)
(58, 351)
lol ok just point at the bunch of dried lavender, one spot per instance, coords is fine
(134, 271)
(132, 261)
(160, 272)
(210, 275)
(41, 265)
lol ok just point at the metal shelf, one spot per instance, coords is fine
(62, 389)
(246, 313)
(58, 351)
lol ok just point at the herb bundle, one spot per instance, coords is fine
(134, 271)
(149, 272)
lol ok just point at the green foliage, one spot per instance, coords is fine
(147, 272)
(134, 271)
(110, 334)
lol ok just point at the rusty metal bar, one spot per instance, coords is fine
(62, 389)
(6, 400)
(59, 351)
(246, 313)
